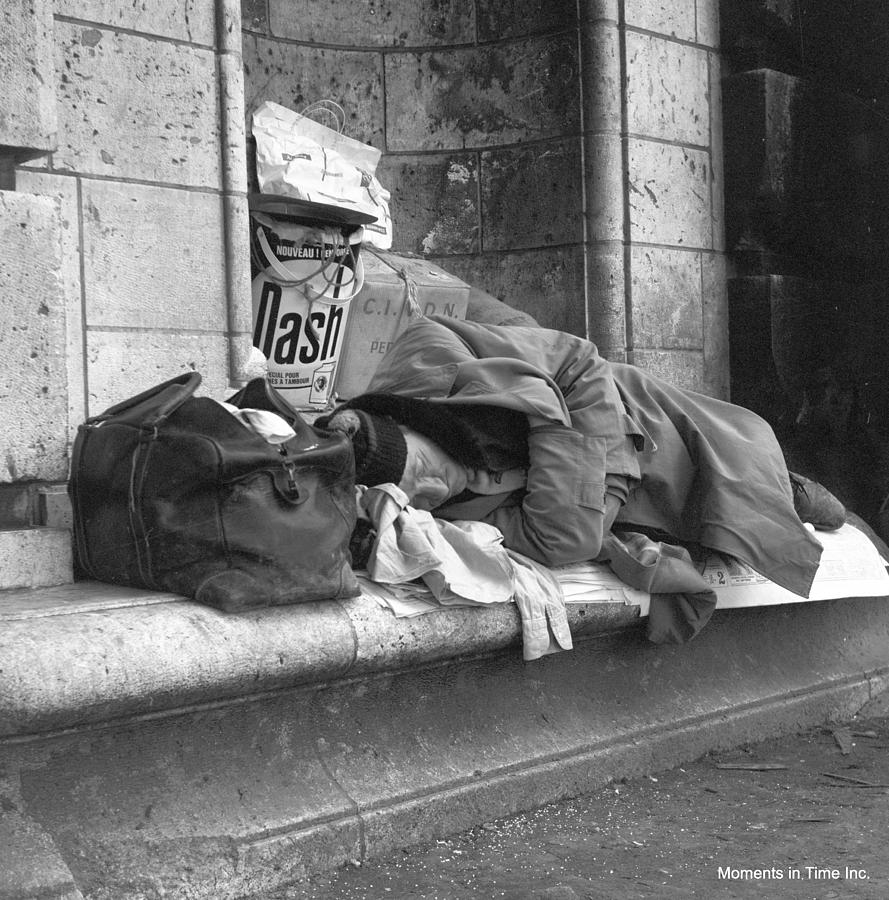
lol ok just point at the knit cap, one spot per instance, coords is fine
(377, 442)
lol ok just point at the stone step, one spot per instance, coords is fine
(153, 747)
(35, 557)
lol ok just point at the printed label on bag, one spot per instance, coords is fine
(290, 250)
(287, 335)
(301, 341)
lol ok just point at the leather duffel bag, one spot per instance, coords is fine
(172, 492)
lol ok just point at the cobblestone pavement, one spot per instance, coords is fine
(805, 816)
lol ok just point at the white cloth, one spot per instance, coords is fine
(268, 425)
(541, 604)
(456, 561)
(464, 563)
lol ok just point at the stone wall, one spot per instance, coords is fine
(674, 291)
(567, 163)
(123, 214)
(34, 320)
(144, 184)
(28, 115)
(569, 166)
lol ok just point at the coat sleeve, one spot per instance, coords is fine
(578, 473)
(562, 517)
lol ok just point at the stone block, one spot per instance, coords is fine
(717, 164)
(708, 23)
(432, 637)
(233, 799)
(606, 299)
(669, 195)
(126, 652)
(667, 90)
(499, 20)
(548, 284)
(600, 10)
(16, 506)
(132, 107)
(434, 202)
(153, 257)
(601, 75)
(183, 820)
(296, 76)
(482, 96)
(233, 119)
(675, 18)
(54, 506)
(715, 318)
(237, 263)
(604, 186)
(35, 557)
(30, 863)
(255, 16)
(65, 190)
(666, 299)
(297, 854)
(532, 196)
(33, 377)
(192, 21)
(27, 77)
(487, 309)
(124, 363)
(380, 24)
(682, 368)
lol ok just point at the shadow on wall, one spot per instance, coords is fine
(806, 96)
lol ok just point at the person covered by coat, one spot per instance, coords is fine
(575, 458)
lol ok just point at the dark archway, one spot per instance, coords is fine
(806, 104)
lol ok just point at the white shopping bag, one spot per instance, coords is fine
(301, 158)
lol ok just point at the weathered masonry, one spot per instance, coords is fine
(704, 195)
(569, 165)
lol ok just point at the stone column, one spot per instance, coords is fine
(604, 150)
(235, 213)
(655, 277)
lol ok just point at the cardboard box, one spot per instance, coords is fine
(382, 310)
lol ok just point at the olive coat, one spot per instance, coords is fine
(699, 470)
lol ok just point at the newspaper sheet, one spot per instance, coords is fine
(851, 566)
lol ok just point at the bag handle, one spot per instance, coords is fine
(259, 394)
(357, 280)
(285, 275)
(153, 406)
(329, 109)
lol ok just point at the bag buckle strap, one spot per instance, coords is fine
(286, 483)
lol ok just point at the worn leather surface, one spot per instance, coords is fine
(171, 492)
